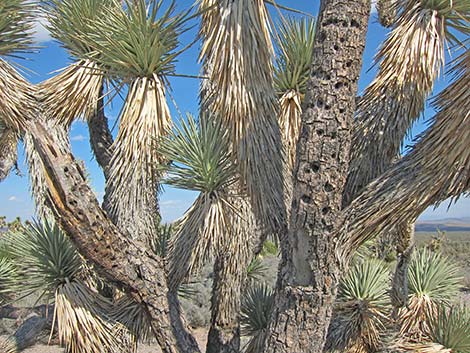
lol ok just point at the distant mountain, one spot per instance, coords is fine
(445, 224)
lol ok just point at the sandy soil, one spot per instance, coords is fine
(200, 334)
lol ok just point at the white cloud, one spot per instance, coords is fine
(170, 203)
(13, 199)
(79, 138)
(40, 32)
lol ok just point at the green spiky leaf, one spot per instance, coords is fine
(140, 40)
(16, 23)
(69, 21)
(200, 156)
(450, 327)
(433, 275)
(46, 257)
(295, 43)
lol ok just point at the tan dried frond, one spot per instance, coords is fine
(199, 234)
(7, 345)
(73, 93)
(133, 182)
(8, 151)
(410, 59)
(413, 318)
(16, 98)
(415, 347)
(37, 181)
(237, 54)
(132, 315)
(81, 322)
(436, 169)
(290, 111)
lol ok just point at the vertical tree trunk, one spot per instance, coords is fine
(404, 240)
(309, 275)
(8, 151)
(224, 332)
(230, 269)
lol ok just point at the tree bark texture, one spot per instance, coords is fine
(309, 274)
(101, 139)
(230, 270)
(404, 240)
(126, 263)
(8, 151)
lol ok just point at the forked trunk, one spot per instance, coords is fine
(125, 262)
(310, 269)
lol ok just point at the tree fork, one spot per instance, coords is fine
(126, 263)
(309, 275)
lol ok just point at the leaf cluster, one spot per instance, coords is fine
(200, 156)
(295, 42)
(16, 24)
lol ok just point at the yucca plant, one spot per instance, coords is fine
(16, 24)
(362, 309)
(257, 304)
(410, 60)
(295, 47)
(139, 46)
(256, 270)
(74, 93)
(8, 279)
(16, 98)
(450, 327)
(240, 92)
(432, 280)
(51, 267)
(201, 161)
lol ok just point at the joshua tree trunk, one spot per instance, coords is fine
(125, 262)
(404, 239)
(230, 271)
(224, 333)
(8, 151)
(309, 275)
(101, 139)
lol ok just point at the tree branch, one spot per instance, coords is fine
(8, 152)
(436, 169)
(126, 263)
(101, 139)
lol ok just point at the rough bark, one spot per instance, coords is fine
(8, 152)
(309, 275)
(101, 139)
(126, 263)
(230, 269)
(387, 11)
(399, 293)
(224, 332)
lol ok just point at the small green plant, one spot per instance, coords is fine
(49, 265)
(362, 309)
(450, 327)
(432, 280)
(256, 308)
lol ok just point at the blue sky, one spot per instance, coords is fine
(15, 199)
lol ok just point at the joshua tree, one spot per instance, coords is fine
(348, 185)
